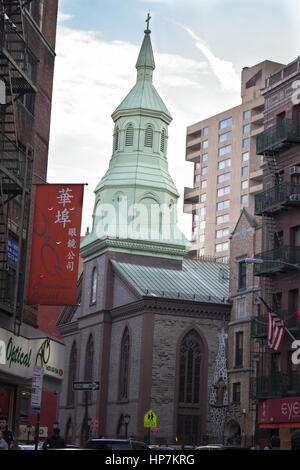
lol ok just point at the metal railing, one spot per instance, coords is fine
(275, 386)
(281, 194)
(272, 139)
(281, 258)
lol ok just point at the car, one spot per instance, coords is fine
(220, 447)
(115, 444)
(28, 447)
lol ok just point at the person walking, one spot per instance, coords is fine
(55, 441)
(8, 435)
(3, 443)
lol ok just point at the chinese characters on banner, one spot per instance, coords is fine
(55, 244)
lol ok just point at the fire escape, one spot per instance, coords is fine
(17, 65)
(279, 258)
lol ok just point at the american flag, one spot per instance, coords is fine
(275, 329)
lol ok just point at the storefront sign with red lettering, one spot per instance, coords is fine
(279, 410)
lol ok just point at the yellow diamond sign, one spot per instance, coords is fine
(150, 419)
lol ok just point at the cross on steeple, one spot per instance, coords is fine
(147, 20)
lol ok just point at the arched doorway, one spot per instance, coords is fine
(232, 433)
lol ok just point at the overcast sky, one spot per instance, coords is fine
(200, 48)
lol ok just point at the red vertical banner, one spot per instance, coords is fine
(55, 244)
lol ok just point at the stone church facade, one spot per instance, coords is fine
(150, 323)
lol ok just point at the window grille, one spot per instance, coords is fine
(129, 136)
(149, 136)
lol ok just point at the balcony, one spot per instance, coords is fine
(279, 260)
(275, 386)
(191, 195)
(259, 325)
(272, 200)
(277, 137)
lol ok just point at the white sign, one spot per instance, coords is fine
(37, 389)
(19, 355)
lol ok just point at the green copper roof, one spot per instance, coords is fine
(143, 95)
(202, 281)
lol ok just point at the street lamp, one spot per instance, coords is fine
(126, 419)
(277, 261)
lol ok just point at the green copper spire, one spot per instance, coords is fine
(136, 200)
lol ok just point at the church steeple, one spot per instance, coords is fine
(136, 199)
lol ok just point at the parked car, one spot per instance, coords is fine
(29, 447)
(220, 447)
(115, 444)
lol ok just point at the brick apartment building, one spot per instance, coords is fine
(27, 55)
(277, 380)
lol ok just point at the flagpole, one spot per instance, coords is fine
(270, 310)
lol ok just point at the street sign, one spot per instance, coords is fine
(94, 425)
(87, 386)
(150, 419)
(37, 388)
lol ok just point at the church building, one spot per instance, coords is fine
(148, 332)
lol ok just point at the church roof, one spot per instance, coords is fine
(202, 281)
(144, 95)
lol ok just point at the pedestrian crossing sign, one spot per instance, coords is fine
(150, 420)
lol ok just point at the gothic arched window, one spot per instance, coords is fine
(129, 135)
(191, 380)
(116, 138)
(89, 362)
(124, 365)
(72, 374)
(149, 136)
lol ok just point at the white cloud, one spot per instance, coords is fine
(222, 69)
(63, 17)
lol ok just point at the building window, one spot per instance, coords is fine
(203, 197)
(225, 136)
(204, 184)
(246, 142)
(72, 375)
(204, 171)
(225, 123)
(124, 366)
(201, 251)
(223, 205)
(221, 247)
(205, 144)
(116, 139)
(241, 308)
(245, 156)
(224, 232)
(129, 135)
(202, 224)
(244, 170)
(239, 338)
(246, 115)
(205, 131)
(246, 129)
(89, 362)
(197, 166)
(223, 191)
(190, 369)
(224, 150)
(244, 199)
(224, 164)
(204, 157)
(202, 238)
(221, 219)
(236, 392)
(202, 211)
(94, 286)
(224, 177)
(163, 141)
(245, 184)
(242, 275)
(148, 136)
(197, 179)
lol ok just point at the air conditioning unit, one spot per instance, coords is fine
(295, 197)
(294, 170)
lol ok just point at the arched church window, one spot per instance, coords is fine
(124, 365)
(163, 141)
(116, 139)
(129, 135)
(190, 366)
(190, 380)
(89, 362)
(72, 374)
(149, 136)
(94, 286)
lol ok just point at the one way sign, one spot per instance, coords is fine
(88, 385)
